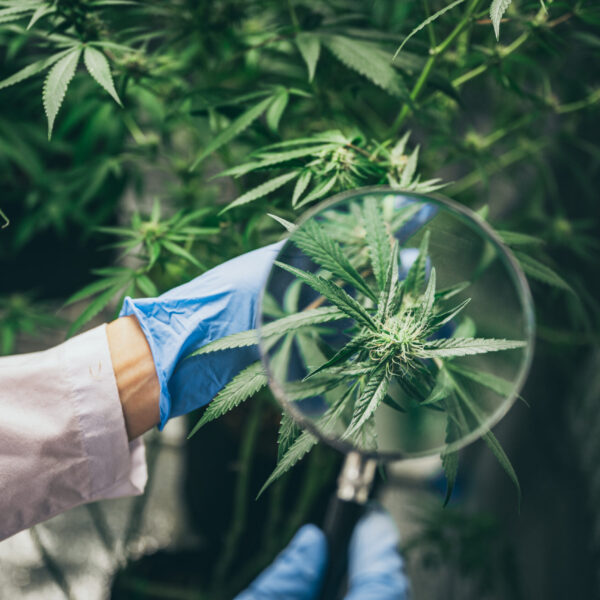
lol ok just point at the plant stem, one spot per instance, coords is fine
(240, 502)
(51, 565)
(579, 104)
(503, 161)
(293, 15)
(319, 471)
(434, 53)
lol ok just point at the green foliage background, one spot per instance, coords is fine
(290, 102)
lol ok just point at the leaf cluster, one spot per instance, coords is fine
(153, 243)
(399, 335)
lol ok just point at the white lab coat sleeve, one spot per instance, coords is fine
(62, 433)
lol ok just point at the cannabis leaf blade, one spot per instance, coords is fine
(98, 67)
(33, 69)
(534, 268)
(245, 384)
(501, 386)
(367, 403)
(346, 352)
(416, 275)
(288, 433)
(56, 84)
(277, 328)
(494, 445)
(310, 48)
(262, 190)
(312, 239)
(447, 348)
(334, 294)
(378, 240)
(368, 60)
(300, 447)
(497, 9)
(235, 128)
(275, 111)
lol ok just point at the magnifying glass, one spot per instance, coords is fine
(393, 325)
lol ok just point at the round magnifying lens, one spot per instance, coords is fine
(395, 324)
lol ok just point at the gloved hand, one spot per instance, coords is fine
(220, 302)
(375, 569)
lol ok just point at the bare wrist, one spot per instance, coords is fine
(137, 382)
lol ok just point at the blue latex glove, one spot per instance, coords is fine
(375, 568)
(220, 302)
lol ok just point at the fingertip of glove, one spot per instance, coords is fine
(310, 536)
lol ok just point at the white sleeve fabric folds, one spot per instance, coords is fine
(62, 433)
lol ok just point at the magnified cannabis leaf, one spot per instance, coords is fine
(403, 334)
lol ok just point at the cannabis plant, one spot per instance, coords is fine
(403, 336)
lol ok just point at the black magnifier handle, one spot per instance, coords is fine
(344, 510)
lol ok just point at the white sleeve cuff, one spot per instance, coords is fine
(116, 467)
(63, 440)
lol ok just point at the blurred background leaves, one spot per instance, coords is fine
(287, 103)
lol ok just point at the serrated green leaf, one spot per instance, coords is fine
(56, 84)
(288, 225)
(277, 328)
(494, 445)
(408, 173)
(98, 67)
(426, 306)
(449, 347)
(244, 385)
(378, 240)
(314, 241)
(334, 294)
(14, 13)
(343, 354)
(300, 390)
(453, 290)
(391, 284)
(450, 459)
(95, 287)
(415, 278)
(301, 185)
(146, 285)
(501, 386)
(534, 268)
(181, 252)
(368, 60)
(94, 307)
(299, 448)
(442, 318)
(497, 9)
(264, 189)
(441, 390)
(309, 46)
(369, 400)
(288, 433)
(234, 129)
(489, 437)
(320, 190)
(275, 111)
(40, 13)
(33, 69)
(269, 159)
